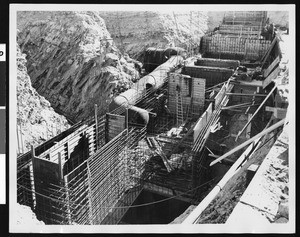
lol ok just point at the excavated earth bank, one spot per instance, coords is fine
(36, 120)
(72, 61)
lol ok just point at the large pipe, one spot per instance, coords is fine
(154, 57)
(153, 80)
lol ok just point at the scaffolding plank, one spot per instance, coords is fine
(271, 77)
(271, 67)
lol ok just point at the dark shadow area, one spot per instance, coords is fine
(158, 213)
(79, 154)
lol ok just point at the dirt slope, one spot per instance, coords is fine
(36, 119)
(133, 32)
(72, 60)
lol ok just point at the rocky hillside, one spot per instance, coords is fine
(72, 60)
(36, 119)
(133, 32)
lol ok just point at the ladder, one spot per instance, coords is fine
(179, 109)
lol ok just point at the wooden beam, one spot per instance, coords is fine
(243, 94)
(264, 58)
(60, 167)
(270, 68)
(273, 75)
(270, 93)
(253, 101)
(255, 83)
(279, 113)
(236, 110)
(96, 124)
(265, 131)
(239, 106)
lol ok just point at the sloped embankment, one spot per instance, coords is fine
(134, 32)
(36, 119)
(72, 61)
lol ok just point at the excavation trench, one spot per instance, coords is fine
(116, 170)
(167, 191)
(125, 168)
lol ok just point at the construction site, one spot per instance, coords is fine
(168, 140)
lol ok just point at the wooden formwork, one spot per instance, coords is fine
(25, 179)
(107, 174)
(245, 17)
(50, 202)
(240, 28)
(88, 192)
(202, 121)
(78, 199)
(212, 75)
(115, 125)
(24, 186)
(233, 46)
(192, 90)
(66, 147)
(211, 62)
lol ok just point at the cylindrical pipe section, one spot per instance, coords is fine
(144, 114)
(154, 79)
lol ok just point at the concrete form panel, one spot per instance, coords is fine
(192, 92)
(201, 123)
(47, 180)
(115, 125)
(235, 47)
(213, 75)
(210, 62)
(272, 76)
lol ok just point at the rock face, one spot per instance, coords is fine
(134, 32)
(36, 119)
(72, 61)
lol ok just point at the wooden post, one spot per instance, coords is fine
(253, 102)
(21, 138)
(31, 172)
(60, 167)
(66, 186)
(32, 151)
(265, 57)
(248, 130)
(18, 142)
(106, 127)
(96, 124)
(90, 194)
(126, 119)
(243, 94)
(47, 134)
